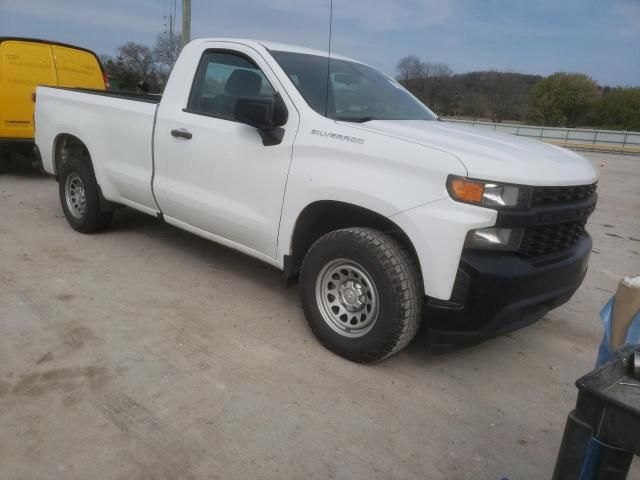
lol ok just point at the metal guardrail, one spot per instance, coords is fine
(579, 138)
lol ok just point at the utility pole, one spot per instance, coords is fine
(171, 20)
(186, 22)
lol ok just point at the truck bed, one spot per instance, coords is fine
(138, 97)
(117, 128)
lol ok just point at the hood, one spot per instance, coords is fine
(496, 156)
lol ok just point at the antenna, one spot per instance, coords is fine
(326, 98)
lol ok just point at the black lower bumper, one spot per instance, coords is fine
(496, 293)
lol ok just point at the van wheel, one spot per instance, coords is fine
(80, 197)
(361, 294)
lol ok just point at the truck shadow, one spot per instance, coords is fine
(22, 170)
(219, 257)
(19, 160)
(247, 270)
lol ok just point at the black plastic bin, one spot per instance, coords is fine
(602, 434)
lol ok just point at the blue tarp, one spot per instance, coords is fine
(595, 450)
(633, 335)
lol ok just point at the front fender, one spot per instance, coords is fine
(377, 172)
(438, 231)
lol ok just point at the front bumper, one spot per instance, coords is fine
(495, 293)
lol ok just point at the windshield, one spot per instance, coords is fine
(356, 92)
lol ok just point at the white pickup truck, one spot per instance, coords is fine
(331, 171)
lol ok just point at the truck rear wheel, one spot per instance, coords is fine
(80, 197)
(361, 294)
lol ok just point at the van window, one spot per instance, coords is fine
(26, 63)
(221, 79)
(77, 68)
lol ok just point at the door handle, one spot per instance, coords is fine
(181, 133)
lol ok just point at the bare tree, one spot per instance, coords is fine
(433, 84)
(409, 68)
(166, 51)
(440, 70)
(138, 59)
(506, 96)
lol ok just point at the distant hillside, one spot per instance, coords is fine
(491, 94)
(567, 99)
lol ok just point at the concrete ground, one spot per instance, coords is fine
(147, 353)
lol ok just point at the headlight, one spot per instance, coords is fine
(494, 238)
(489, 194)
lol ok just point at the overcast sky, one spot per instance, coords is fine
(598, 37)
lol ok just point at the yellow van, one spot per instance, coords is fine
(26, 63)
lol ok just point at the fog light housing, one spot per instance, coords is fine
(495, 238)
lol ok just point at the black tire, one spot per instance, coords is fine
(91, 218)
(396, 282)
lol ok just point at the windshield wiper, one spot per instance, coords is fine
(356, 119)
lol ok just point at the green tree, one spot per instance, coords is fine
(133, 63)
(562, 99)
(619, 109)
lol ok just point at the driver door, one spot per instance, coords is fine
(215, 174)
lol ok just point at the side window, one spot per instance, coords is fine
(221, 79)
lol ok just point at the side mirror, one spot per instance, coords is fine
(263, 113)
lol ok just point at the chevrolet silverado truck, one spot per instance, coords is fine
(329, 170)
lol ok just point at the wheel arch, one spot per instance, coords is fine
(65, 140)
(323, 216)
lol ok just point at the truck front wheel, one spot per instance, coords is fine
(80, 197)
(361, 294)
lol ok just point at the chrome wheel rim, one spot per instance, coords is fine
(75, 195)
(347, 298)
